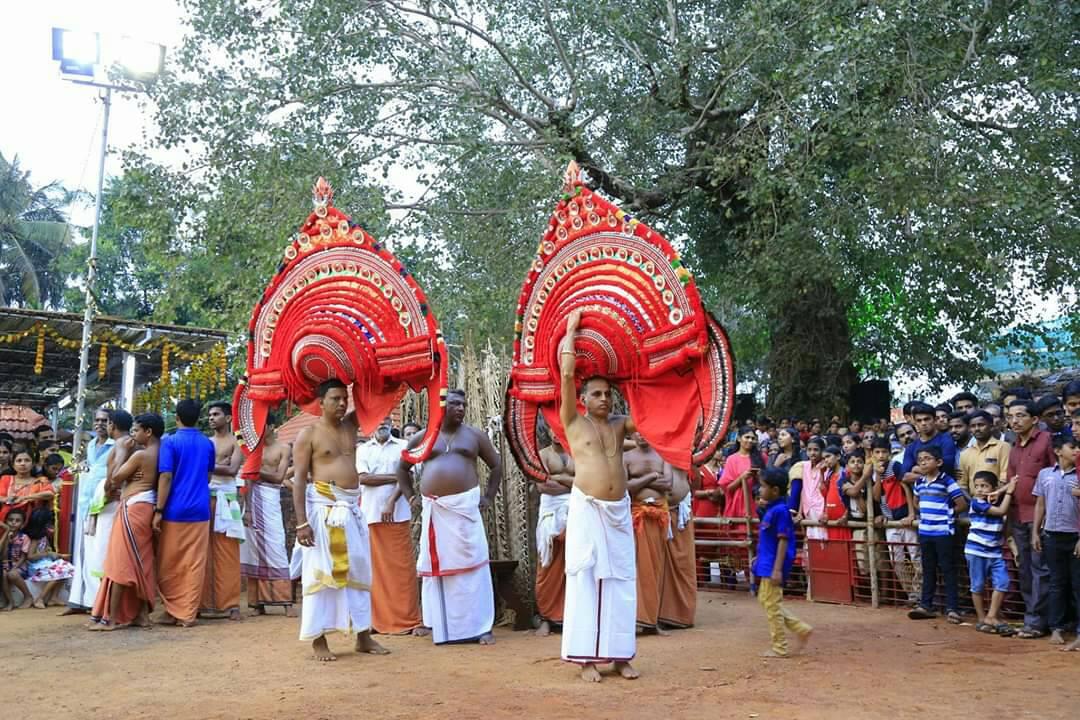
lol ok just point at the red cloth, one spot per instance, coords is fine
(834, 507)
(737, 503)
(39, 485)
(64, 521)
(703, 507)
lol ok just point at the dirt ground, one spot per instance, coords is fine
(861, 662)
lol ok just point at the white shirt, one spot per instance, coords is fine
(374, 458)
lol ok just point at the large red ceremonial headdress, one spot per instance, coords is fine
(340, 306)
(643, 327)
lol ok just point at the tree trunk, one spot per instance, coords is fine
(809, 362)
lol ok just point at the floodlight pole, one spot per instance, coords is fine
(91, 273)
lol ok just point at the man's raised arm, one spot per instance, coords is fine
(568, 407)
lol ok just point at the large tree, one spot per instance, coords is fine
(34, 235)
(861, 187)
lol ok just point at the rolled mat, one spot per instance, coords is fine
(340, 306)
(643, 327)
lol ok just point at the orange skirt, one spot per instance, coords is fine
(650, 537)
(181, 567)
(129, 565)
(551, 582)
(395, 599)
(678, 597)
(221, 582)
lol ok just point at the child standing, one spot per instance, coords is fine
(895, 500)
(983, 549)
(775, 555)
(15, 559)
(937, 498)
(1054, 533)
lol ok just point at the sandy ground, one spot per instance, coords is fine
(861, 663)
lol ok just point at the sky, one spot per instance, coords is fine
(51, 124)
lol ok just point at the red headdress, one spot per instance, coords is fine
(643, 327)
(340, 306)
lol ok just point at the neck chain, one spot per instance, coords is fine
(600, 436)
(450, 440)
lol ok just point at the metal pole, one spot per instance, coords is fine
(871, 545)
(91, 271)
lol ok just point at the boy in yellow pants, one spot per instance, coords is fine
(776, 553)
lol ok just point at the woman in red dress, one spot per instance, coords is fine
(23, 490)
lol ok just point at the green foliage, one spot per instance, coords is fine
(34, 235)
(855, 184)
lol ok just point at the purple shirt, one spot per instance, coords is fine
(1062, 508)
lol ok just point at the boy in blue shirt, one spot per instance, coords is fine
(983, 549)
(776, 553)
(937, 498)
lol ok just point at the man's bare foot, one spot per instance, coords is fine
(73, 611)
(662, 632)
(801, 640)
(627, 670)
(321, 650)
(102, 627)
(366, 644)
(1057, 638)
(26, 604)
(544, 630)
(290, 611)
(187, 623)
(38, 604)
(164, 619)
(1073, 646)
(770, 653)
(487, 639)
(421, 631)
(257, 611)
(235, 615)
(589, 673)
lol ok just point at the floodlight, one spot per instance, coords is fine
(137, 59)
(77, 50)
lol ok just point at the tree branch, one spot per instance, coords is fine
(563, 57)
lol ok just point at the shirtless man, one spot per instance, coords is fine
(264, 560)
(648, 482)
(598, 624)
(551, 535)
(326, 493)
(457, 598)
(129, 587)
(678, 593)
(221, 587)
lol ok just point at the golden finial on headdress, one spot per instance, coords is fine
(571, 177)
(322, 193)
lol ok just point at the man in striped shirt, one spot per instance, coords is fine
(983, 549)
(937, 497)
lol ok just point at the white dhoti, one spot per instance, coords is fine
(84, 586)
(102, 515)
(336, 571)
(457, 599)
(550, 523)
(228, 519)
(599, 622)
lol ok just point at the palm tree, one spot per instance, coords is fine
(34, 232)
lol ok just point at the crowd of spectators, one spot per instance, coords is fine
(978, 483)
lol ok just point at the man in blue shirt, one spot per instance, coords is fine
(775, 556)
(182, 516)
(929, 435)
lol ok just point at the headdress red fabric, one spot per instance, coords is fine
(340, 306)
(643, 327)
